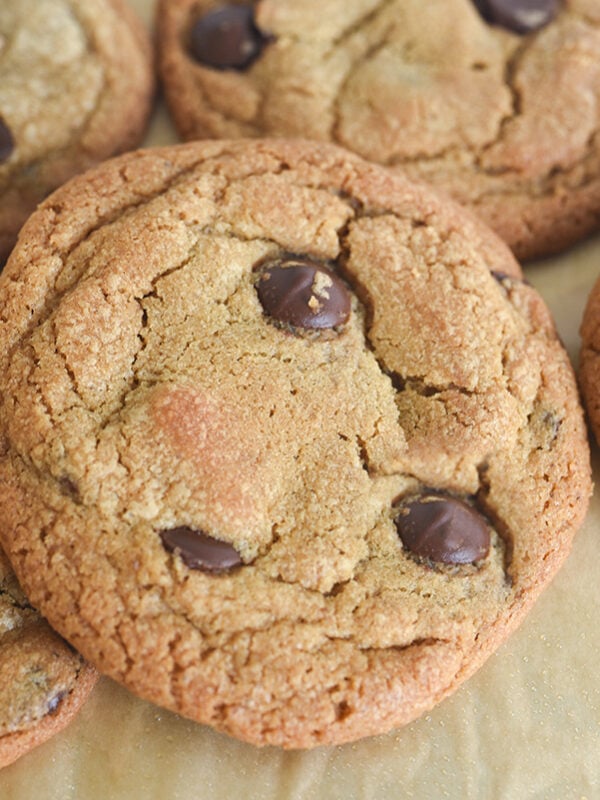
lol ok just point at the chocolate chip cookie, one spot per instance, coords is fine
(495, 101)
(43, 682)
(288, 445)
(75, 87)
(589, 359)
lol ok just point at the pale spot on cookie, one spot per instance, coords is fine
(210, 434)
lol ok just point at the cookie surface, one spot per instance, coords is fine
(496, 102)
(75, 87)
(43, 682)
(299, 367)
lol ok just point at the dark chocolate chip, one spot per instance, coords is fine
(303, 293)
(69, 487)
(55, 701)
(442, 528)
(519, 16)
(507, 281)
(200, 551)
(502, 276)
(227, 38)
(7, 142)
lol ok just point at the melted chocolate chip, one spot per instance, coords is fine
(7, 142)
(200, 551)
(227, 38)
(304, 294)
(443, 529)
(519, 16)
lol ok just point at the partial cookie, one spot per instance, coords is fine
(312, 456)
(495, 101)
(43, 682)
(589, 359)
(76, 86)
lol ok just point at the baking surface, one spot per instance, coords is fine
(526, 726)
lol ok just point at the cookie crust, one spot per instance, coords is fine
(178, 403)
(76, 85)
(507, 124)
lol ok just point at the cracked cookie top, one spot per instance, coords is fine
(75, 87)
(43, 682)
(288, 445)
(496, 102)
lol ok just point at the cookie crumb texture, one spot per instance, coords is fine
(506, 122)
(75, 87)
(43, 682)
(152, 407)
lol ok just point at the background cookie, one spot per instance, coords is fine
(589, 360)
(505, 121)
(43, 682)
(75, 87)
(247, 472)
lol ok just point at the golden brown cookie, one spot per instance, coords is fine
(43, 682)
(76, 85)
(495, 101)
(289, 446)
(589, 359)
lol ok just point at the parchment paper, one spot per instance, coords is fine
(526, 727)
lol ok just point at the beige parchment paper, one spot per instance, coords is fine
(526, 727)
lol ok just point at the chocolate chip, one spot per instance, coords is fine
(7, 142)
(69, 487)
(502, 276)
(227, 38)
(519, 16)
(304, 294)
(200, 551)
(54, 702)
(442, 528)
(509, 282)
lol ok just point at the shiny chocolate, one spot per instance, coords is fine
(443, 528)
(304, 294)
(227, 38)
(199, 550)
(518, 16)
